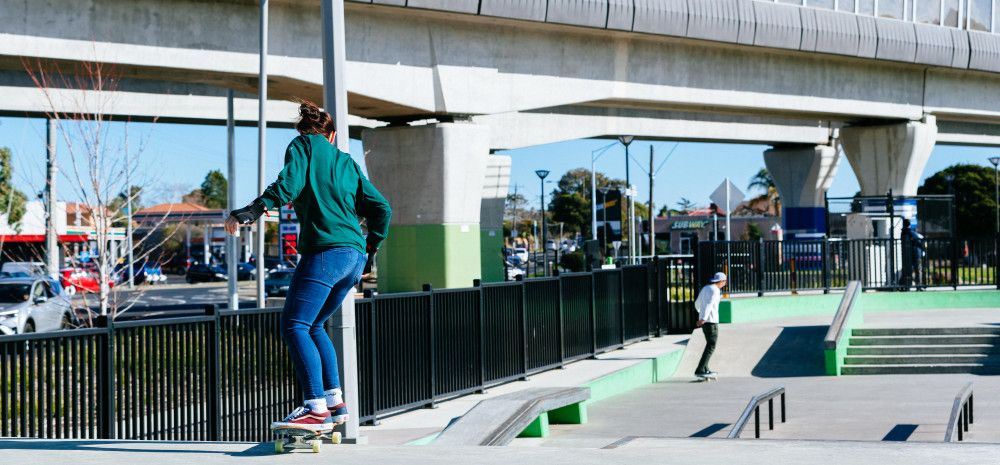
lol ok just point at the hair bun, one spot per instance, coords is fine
(313, 120)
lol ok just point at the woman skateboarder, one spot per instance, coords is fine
(329, 193)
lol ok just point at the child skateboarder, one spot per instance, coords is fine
(329, 193)
(707, 305)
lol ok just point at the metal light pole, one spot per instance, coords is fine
(594, 155)
(996, 189)
(626, 141)
(261, 150)
(128, 222)
(232, 242)
(545, 252)
(604, 223)
(51, 235)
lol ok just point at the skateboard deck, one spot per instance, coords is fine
(707, 378)
(288, 439)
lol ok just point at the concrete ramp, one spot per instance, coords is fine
(769, 349)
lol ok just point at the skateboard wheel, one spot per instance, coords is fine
(279, 447)
(315, 445)
(335, 437)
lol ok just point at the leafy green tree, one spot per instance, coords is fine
(973, 187)
(212, 193)
(752, 233)
(11, 200)
(214, 188)
(570, 202)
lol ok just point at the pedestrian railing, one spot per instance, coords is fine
(753, 408)
(822, 265)
(224, 375)
(961, 414)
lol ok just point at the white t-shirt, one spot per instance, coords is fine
(707, 303)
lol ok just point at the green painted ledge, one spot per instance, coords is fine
(748, 309)
(645, 372)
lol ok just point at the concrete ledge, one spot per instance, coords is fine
(744, 310)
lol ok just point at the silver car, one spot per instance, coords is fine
(29, 305)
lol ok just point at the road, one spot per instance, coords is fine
(173, 298)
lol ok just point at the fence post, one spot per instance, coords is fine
(560, 319)
(106, 381)
(954, 262)
(372, 359)
(478, 284)
(760, 267)
(657, 296)
(826, 264)
(430, 346)
(213, 352)
(996, 262)
(621, 306)
(593, 314)
(524, 326)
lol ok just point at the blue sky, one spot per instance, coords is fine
(176, 158)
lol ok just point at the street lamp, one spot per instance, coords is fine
(594, 155)
(626, 141)
(604, 212)
(541, 178)
(996, 189)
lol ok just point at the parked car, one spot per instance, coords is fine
(75, 280)
(205, 273)
(21, 269)
(245, 271)
(521, 253)
(277, 282)
(29, 305)
(154, 273)
(513, 271)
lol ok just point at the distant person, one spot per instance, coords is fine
(707, 305)
(330, 194)
(914, 243)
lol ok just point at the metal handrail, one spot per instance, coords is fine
(961, 414)
(843, 314)
(754, 408)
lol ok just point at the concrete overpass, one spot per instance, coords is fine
(458, 78)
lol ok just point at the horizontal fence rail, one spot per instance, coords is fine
(763, 267)
(224, 375)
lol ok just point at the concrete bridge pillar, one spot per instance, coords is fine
(802, 174)
(433, 177)
(497, 183)
(890, 156)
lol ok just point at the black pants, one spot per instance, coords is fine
(711, 337)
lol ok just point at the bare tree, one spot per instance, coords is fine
(103, 161)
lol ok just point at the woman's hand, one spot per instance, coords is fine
(232, 226)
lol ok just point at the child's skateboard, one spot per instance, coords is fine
(707, 378)
(287, 439)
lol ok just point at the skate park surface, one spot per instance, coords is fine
(666, 415)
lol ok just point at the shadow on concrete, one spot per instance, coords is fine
(253, 450)
(900, 433)
(798, 351)
(709, 430)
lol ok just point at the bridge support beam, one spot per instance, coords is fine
(433, 177)
(890, 157)
(802, 174)
(497, 183)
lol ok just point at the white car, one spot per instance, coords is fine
(29, 305)
(521, 253)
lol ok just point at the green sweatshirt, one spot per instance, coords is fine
(329, 194)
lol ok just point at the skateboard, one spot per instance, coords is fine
(707, 378)
(288, 439)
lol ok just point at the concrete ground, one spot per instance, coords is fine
(755, 357)
(632, 450)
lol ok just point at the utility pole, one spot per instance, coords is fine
(51, 235)
(652, 215)
(128, 222)
(232, 242)
(513, 222)
(261, 149)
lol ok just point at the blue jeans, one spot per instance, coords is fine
(320, 283)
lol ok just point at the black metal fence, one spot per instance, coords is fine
(888, 264)
(224, 375)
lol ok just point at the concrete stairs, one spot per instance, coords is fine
(883, 351)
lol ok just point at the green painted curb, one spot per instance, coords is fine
(539, 428)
